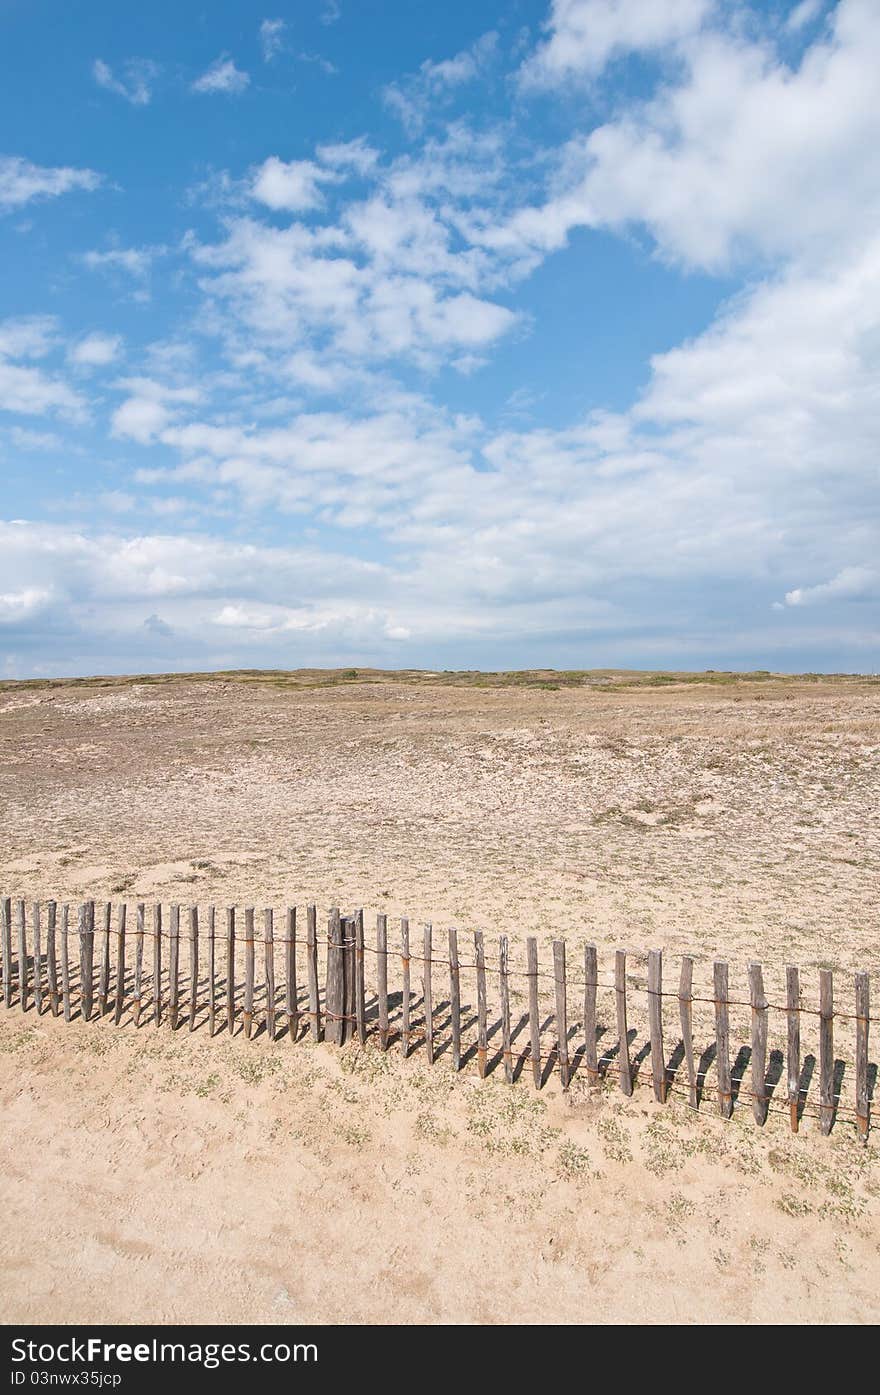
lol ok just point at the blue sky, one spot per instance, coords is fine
(468, 336)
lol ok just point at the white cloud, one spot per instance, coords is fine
(19, 606)
(23, 439)
(585, 35)
(271, 38)
(95, 350)
(222, 77)
(357, 155)
(804, 14)
(412, 98)
(149, 408)
(136, 86)
(292, 186)
(135, 262)
(726, 163)
(21, 181)
(30, 391)
(330, 11)
(852, 583)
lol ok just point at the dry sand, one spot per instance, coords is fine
(179, 1178)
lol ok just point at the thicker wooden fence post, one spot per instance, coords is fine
(334, 1001)
(212, 971)
(104, 970)
(87, 957)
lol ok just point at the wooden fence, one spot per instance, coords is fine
(89, 962)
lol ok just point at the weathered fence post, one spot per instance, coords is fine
(6, 913)
(104, 970)
(793, 1018)
(51, 957)
(120, 960)
(312, 971)
(174, 967)
(624, 1067)
(382, 977)
(349, 974)
(507, 1053)
(591, 984)
(193, 965)
(157, 964)
(269, 957)
(826, 1050)
(863, 1006)
(360, 981)
(427, 994)
(86, 956)
(482, 1023)
(760, 1102)
(722, 1038)
(534, 1010)
(65, 961)
(230, 969)
(405, 997)
(561, 1012)
(22, 956)
(655, 1019)
(248, 1009)
(334, 1000)
(454, 999)
(212, 972)
(291, 987)
(38, 959)
(140, 924)
(686, 1014)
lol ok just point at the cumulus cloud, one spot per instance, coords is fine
(95, 350)
(291, 186)
(585, 35)
(222, 77)
(25, 389)
(136, 82)
(21, 181)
